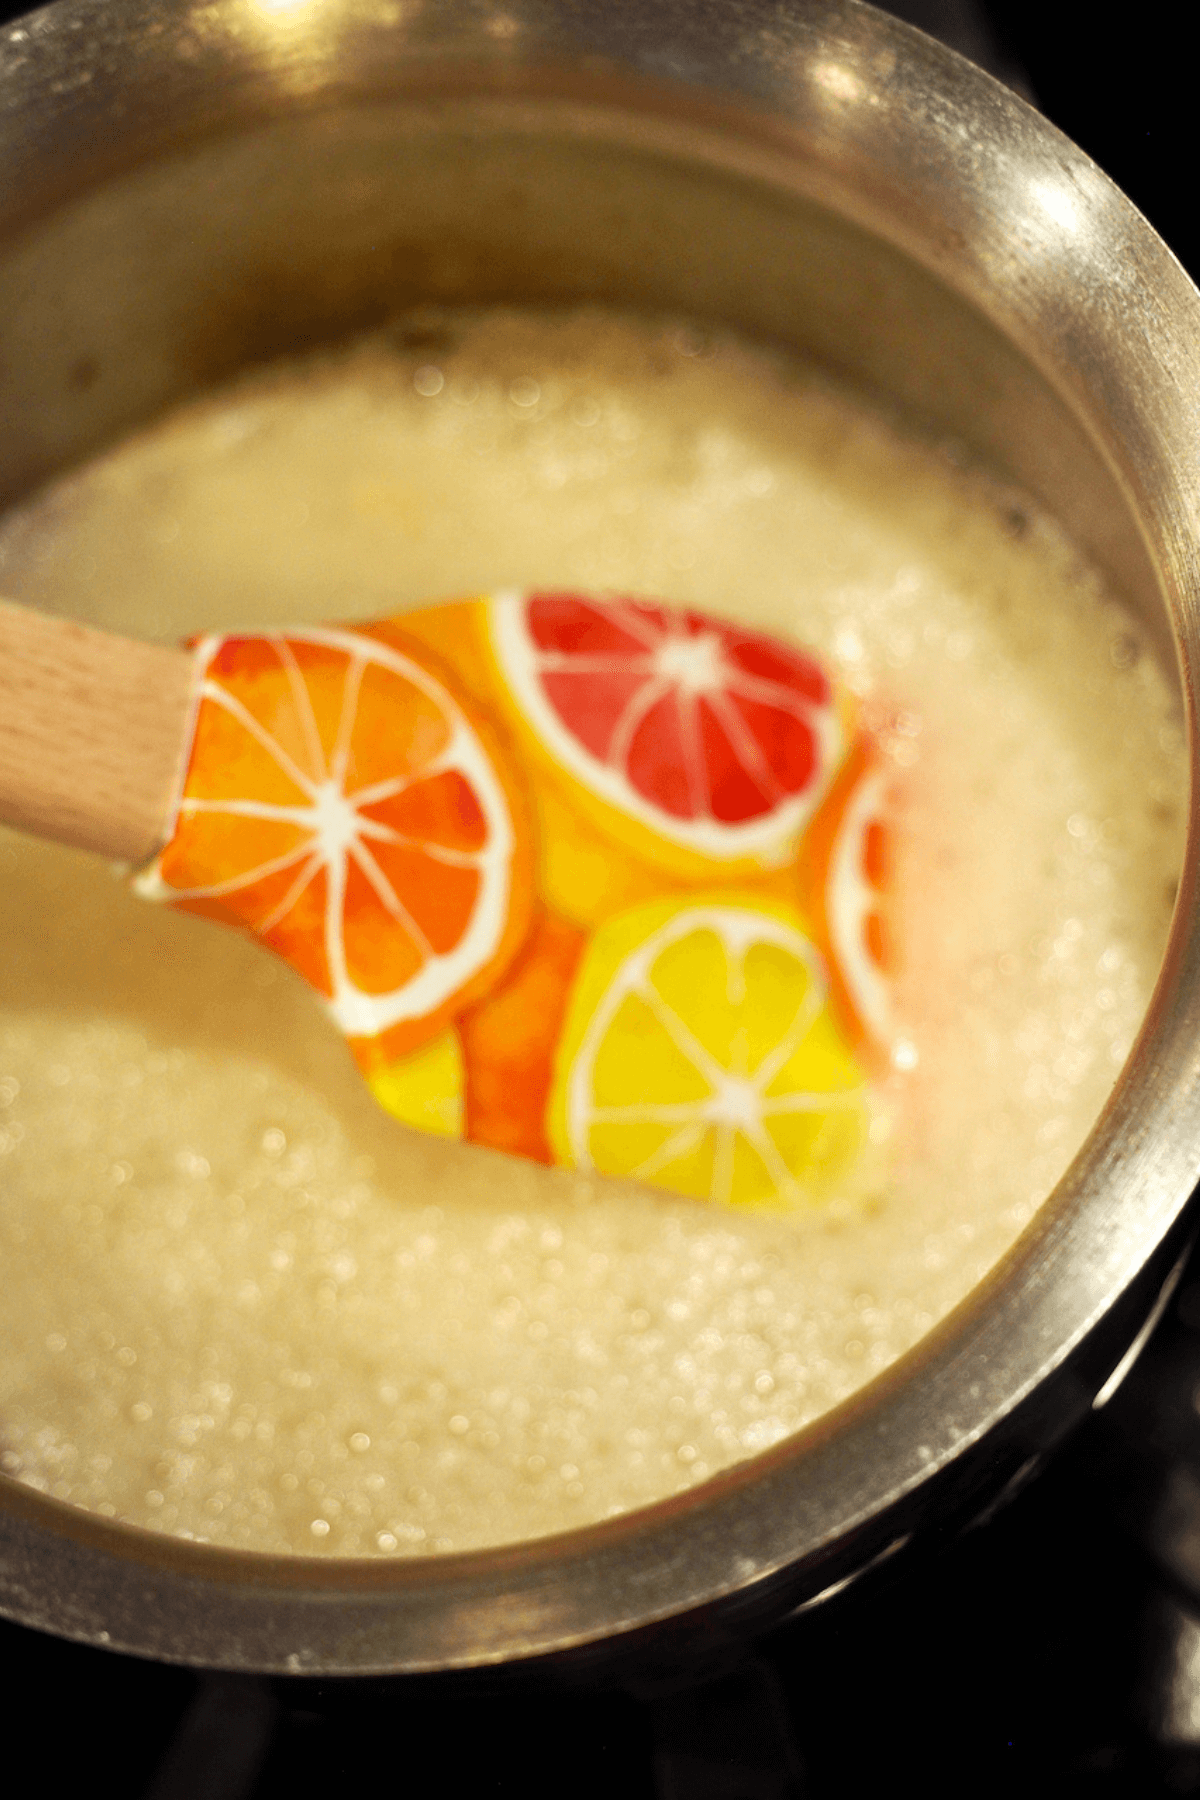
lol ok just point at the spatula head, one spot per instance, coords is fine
(596, 882)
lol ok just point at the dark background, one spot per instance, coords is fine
(1052, 1649)
(1120, 80)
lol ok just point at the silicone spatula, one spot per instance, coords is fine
(599, 882)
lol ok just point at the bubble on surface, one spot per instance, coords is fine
(241, 1306)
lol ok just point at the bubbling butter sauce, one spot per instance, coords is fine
(244, 1306)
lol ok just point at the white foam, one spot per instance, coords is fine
(243, 1305)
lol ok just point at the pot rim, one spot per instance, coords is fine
(866, 116)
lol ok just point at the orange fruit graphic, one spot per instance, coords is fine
(508, 1041)
(342, 804)
(701, 747)
(844, 880)
(583, 875)
(455, 631)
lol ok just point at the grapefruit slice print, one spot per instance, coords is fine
(702, 746)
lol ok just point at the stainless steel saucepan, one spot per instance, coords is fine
(188, 186)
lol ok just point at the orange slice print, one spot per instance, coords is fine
(509, 1039)
(844, 879)
(341, 804)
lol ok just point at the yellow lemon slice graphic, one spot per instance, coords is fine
(700, 1054)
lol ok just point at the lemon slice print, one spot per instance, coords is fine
(700, 1054)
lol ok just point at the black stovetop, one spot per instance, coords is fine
(1054, 1648)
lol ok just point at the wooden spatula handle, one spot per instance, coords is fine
(93, 732)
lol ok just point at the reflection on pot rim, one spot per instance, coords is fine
(1101, 431)
(505, 1352)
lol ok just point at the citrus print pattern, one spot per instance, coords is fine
(700, 1054)
(509, 1039)
(425, 1088)
(593, 882)
(844, 882)
(340, 804)
(705, 746)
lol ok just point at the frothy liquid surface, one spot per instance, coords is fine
(243, 1305)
